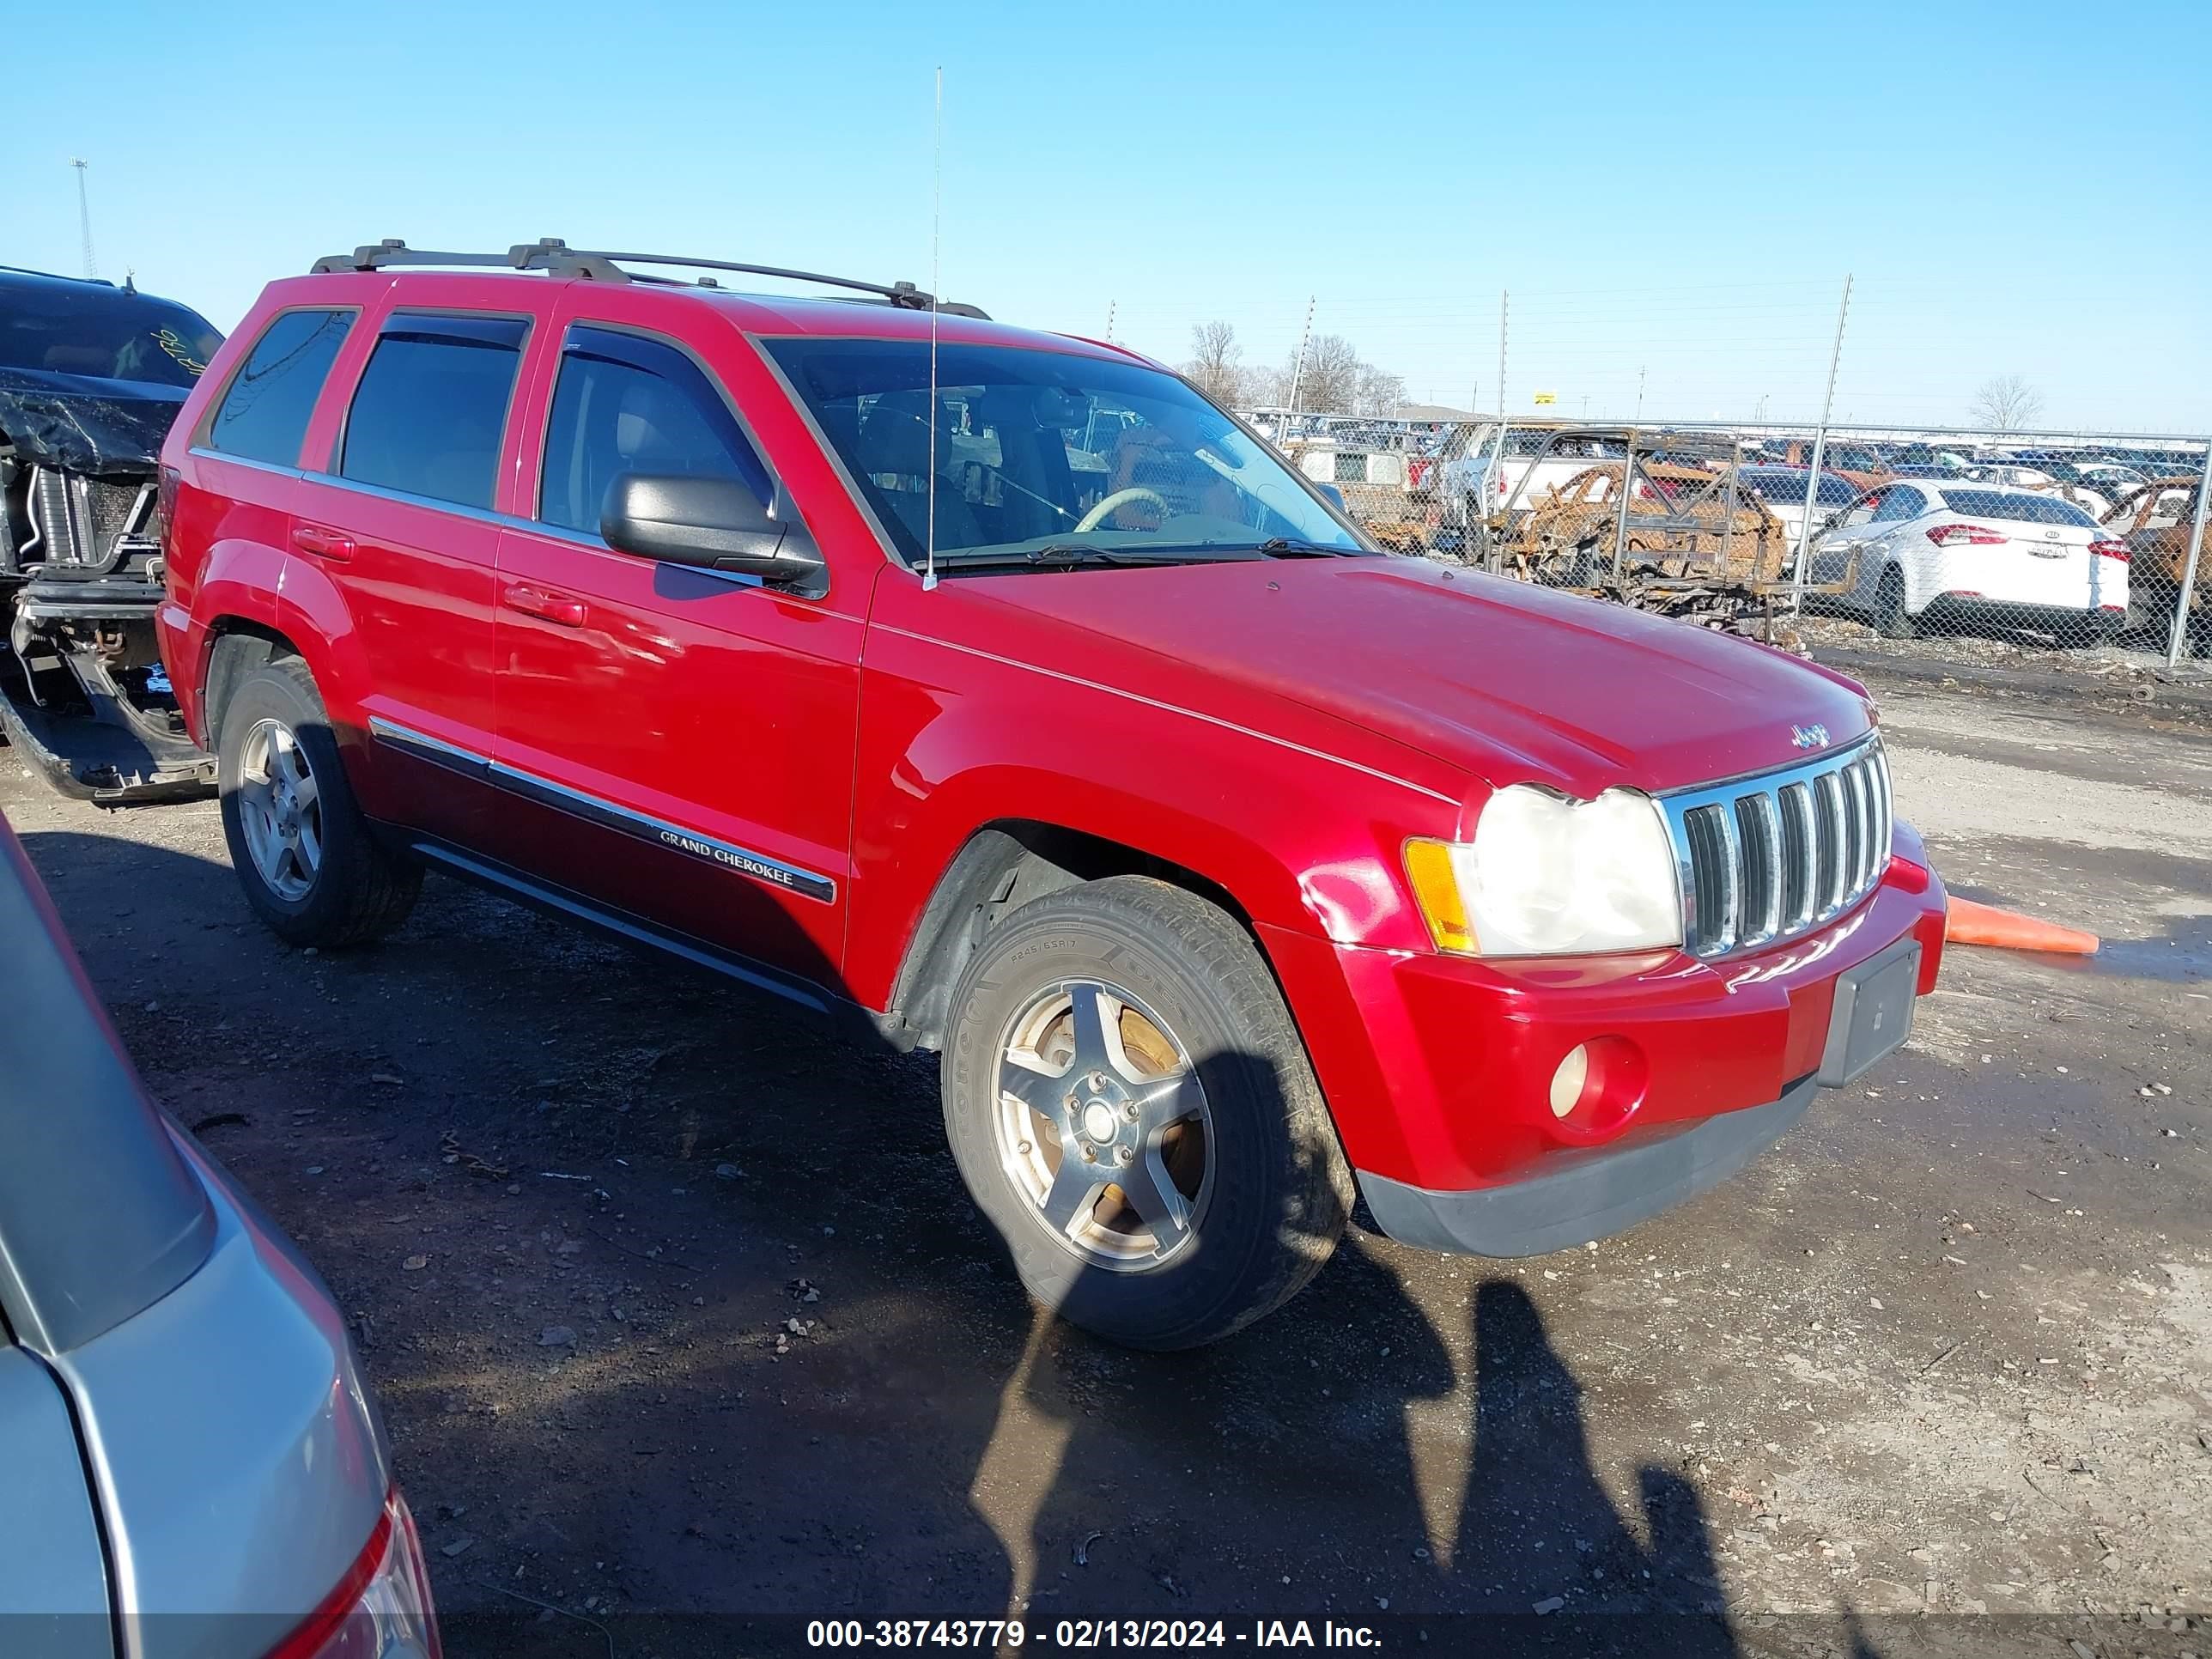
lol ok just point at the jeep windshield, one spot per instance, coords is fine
(62, 327)
(1047, 460)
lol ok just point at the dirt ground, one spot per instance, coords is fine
(677, 1308)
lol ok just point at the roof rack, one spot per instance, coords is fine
(555, 258)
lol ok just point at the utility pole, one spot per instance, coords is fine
(84, 216)
(1821, 443)
(1299, 367)
(1110, 304)
(1504, 298)
(1639, 393)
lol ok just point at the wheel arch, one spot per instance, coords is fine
(236, 647)
(1000, 866)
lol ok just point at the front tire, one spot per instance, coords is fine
(302, 850)
(1131, 1107)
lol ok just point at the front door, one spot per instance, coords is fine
(672, 744)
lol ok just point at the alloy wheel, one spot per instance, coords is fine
(280, 808)
(1102, 1125)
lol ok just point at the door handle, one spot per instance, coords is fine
(555, 608)
(323, 544)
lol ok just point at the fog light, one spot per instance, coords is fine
(1567, 1082)
(1595, 1090)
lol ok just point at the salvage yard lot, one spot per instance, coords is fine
(676, 1306)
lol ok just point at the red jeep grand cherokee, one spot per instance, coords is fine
(996, 689)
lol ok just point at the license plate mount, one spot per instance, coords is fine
(1873, 1013)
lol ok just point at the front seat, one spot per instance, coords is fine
(895, 451)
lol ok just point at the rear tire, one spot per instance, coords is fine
(1189, 1017)
(303, 852)
(1891, 619)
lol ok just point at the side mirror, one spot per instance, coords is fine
(1336, 495)
(708, 523)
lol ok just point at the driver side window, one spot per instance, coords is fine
(625, 404)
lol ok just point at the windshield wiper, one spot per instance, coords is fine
(1078, 553)
(1286, 546)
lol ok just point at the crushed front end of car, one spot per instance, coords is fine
(90, 379)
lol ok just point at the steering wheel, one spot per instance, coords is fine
(1120, 498)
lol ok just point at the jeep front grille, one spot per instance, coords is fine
(1768, 857)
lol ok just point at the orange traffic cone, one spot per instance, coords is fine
(1969, 923)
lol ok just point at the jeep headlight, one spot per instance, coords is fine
(1546, 875)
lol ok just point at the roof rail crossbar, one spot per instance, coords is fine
(555, 258)
(899, 293)
(392, 251)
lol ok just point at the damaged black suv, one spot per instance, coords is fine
(91, 376)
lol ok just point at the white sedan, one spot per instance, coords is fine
(1919, 552)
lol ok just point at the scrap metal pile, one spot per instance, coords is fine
(1667, 527)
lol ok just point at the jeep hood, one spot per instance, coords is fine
(1515, 683)
(87, 424)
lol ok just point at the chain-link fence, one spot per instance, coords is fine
(2052, 542)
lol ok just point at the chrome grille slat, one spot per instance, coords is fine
(1863, 788)
(1833, 881)
(1796, 801)
(1771, 857)
(1731, 873)
(1764, 858)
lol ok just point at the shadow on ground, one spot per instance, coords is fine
(681, 1320)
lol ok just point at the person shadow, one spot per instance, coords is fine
(1541, 1541)
(1279, 1474)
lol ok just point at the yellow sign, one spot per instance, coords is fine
(1547, 396)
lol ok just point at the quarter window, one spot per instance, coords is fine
(432, 405)
(264, 413)
(624, 403)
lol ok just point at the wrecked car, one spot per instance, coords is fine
(91, 375)
(2155, 521)
(1677, 517)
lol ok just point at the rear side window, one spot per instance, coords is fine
(2017, 509)
(263, 415)
(429, 414)
(624, 403)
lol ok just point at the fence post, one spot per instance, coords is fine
(1728, 510)
(1493, 555)
(1819, 451)
(1620, 518)
(2180, 635)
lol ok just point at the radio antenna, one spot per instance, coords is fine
(936, 227)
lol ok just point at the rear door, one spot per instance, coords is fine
(1835, 555)
(401, 520)
(1895, 536)
(675, 743)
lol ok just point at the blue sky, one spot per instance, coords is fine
(1671, 194)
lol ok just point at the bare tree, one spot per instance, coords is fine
(2005, 403)
(1378, 393)
(1214, 359)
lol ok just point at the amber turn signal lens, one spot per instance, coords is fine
(1435, 889)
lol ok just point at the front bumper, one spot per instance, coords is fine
(1437, 1069)
(1596, 1194)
